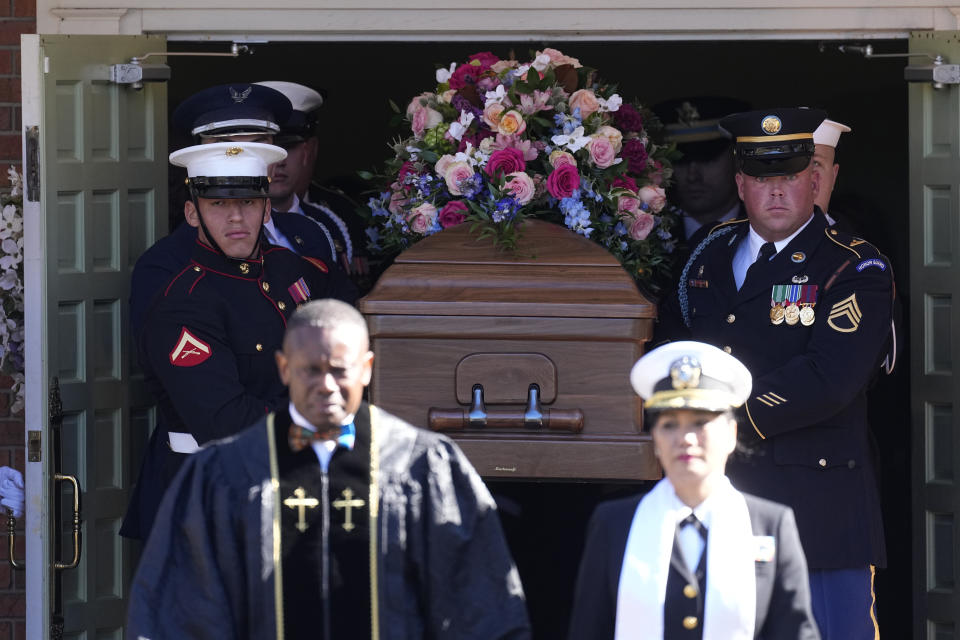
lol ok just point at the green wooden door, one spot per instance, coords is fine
(98, 201)
(934, 341)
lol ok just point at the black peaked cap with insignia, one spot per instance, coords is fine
(232, 109)
(693, 124)
(773, 142)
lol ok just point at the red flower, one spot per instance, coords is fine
(452, 214)
(505, 161)
(485, 58)
(563, 181)
(625, 182)
(628, 118)
(635, 154)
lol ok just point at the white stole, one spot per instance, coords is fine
(731, 601)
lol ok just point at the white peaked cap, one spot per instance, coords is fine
(691, 375)
(302, 98)
(828, 133)
(228, 159)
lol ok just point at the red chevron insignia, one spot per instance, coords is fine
(189, 351)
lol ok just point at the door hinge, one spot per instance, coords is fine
(34, 442)
(32, 135)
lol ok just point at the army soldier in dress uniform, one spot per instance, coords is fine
(807, 309)
(694, 558)
(236, 112)
(328, 519)
(207, 344)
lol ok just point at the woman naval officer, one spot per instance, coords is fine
(693, 558)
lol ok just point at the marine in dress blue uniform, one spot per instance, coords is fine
(245, 112)
(208, 340)
(809, 315)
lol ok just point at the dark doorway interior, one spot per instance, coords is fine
(868, 94)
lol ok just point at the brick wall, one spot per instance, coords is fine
(16, 17)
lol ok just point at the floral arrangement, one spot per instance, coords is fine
(498, 141)
(11, 286)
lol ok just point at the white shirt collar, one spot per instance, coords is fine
(756, 241)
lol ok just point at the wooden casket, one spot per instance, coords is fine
(523, 357)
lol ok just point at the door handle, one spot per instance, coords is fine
(11, 541)
(62, 477)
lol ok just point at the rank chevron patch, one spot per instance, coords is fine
(190, 350)
(845, 315)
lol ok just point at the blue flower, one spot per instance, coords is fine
(663, 234)
(376, 206)
(620, 229)
(623, 245)
(505, 209)
(374, 235)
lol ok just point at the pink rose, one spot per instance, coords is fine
(511, 123)
(653, 197)
(563, 181)
(505, 161)
(453, 213)
(419, 102)
(602, 153)
(423, 120)
(559, 158)
(628, 205)
(421, 218)
(586, 101)
(558, 58)
(492, 113)
(613, 135)
(442, 164)
(457, 172)
(641, 225)
(397, 200)
(521, 186)
(625, 182)
(656, 175)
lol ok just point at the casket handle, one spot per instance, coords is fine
(533, 417)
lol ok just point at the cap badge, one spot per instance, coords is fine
(685, 373)
(687, 114)
(240, 96)
(234, 151)
(771, 125)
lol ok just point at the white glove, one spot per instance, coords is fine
(11, 492)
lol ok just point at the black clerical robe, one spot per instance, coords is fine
(213, 565)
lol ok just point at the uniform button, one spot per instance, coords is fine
(727, 349)
(281, 305)
(298, 239)
(690, 622)
(244, 268)
(196, 269)
(822, 462)
(690, 591)
(266, 286)
(731, 319)
(259, 347)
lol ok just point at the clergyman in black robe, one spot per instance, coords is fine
(271, 534)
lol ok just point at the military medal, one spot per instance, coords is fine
(807, 316)
(776, 314)
(808, 299)
(791, 315)
(778, 296)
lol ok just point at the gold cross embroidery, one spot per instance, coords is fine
(300, 503)
(348, 502)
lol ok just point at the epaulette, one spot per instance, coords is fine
(857, 246)
(726, 223)
(187, 279)
(318, 263)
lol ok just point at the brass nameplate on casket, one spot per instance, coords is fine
(542, 340)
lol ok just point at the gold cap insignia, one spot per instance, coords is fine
(771, 125)
(234, 151)
(685, 373)
(244, 268)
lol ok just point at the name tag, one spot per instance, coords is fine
(765, 548)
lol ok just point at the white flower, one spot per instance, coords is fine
(414, 152)
(610, 104)
(443, 75)
(495, 96)
(574, 142)
(457, 129)
(522, 69)
(8, 281)
(542, 62)
(16, 181)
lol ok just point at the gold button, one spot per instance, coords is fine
(822, 462)
(281, 305)
(196, 268)
(833, 232)
(266, 286)
(690, 591)
(727, 349)
(731, 319)
(259, 347)
(244, 268)
(298, 239)
(690, 622)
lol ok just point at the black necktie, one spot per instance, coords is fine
(767, 251)
(692, 521)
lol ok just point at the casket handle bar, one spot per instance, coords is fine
(533, 417)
